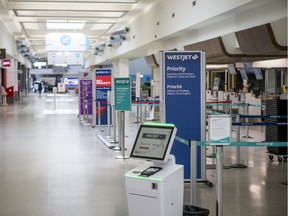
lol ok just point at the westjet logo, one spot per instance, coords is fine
(182, 57)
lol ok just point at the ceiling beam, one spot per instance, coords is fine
(55, 6)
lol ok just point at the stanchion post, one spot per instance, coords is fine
(54, 100)
(238, 156)
(122, 135)
(141, 117)
(193, 172)
(219, 181)
(99, 116)
(85, 108)
(117, 148)
(108, 120)
(137, 110)
(213, 154)
(145, 112)
(246, 120)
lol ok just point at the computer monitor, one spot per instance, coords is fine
(258, 73)
(243, 74)
(232, 69)
(153, 142)
(248, 66)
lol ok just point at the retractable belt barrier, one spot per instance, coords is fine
(229, 104)
(145, 103)
(251, 144)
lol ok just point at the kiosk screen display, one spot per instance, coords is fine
(153, 142)
(258, 74)
(248, 67)
(232, 69)
(243, 74)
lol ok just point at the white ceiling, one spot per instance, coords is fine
(27, 18)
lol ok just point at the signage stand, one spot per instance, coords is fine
(219, 134)
(122, 136)
(54, 89)
(122, 98)
(219, 181)
(238, 156)
(193, 172)
(183, 81)
(114, 138)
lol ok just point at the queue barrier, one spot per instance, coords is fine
(219, 167)
(238, 144)
(146, 103)
(237, 104)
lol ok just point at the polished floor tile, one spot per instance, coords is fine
(51, 164)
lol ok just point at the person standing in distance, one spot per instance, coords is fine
(40, 88)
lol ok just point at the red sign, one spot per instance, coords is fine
(103, 81)
(6, 62)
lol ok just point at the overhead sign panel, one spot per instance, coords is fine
(67, 58)
(66, 42)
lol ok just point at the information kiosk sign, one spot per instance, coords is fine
(122, 87)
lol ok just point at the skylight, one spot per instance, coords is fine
(65, 24)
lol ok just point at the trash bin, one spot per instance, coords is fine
(190, 210)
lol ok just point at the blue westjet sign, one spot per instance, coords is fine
(183, 102)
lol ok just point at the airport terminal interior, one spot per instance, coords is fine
(103, 103)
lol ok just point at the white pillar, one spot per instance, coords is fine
(156, 82)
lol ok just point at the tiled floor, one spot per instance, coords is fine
(51, 164)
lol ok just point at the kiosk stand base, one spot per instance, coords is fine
(160, 194)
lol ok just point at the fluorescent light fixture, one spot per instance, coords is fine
(61, 65)
(65, 24)
(39, 64)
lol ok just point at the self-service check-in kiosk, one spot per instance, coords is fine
(155, 187)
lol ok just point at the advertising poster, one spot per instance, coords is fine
(183, 102)
(103, 85)
(86, 92)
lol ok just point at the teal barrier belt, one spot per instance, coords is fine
(259, 123)
(259, 116)
(145, 104)
(240, 104)
(251, 144)
(214, 112)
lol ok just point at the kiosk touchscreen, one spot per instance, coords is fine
(156, 186)
(154, 142)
